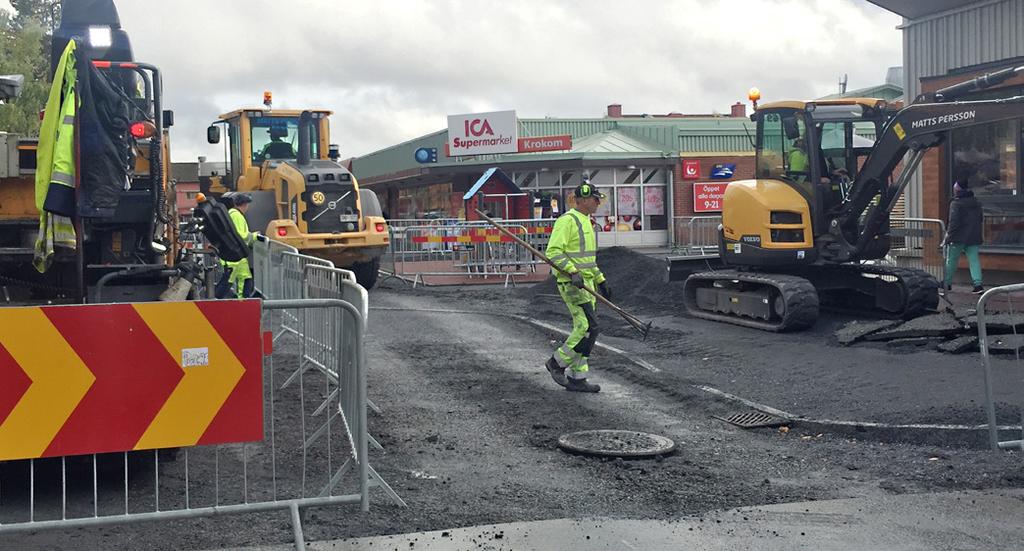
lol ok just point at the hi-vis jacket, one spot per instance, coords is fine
(240, 270)
(573, 247)
(55, 163)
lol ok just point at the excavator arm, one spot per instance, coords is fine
(914, 130)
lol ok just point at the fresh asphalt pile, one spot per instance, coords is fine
(637, 281)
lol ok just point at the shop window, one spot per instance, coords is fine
(654, 208)
(547, 179)
(604, 219)
(603, 178)
(655, 176)
(627, 177)
(547, 198)
(426, 203)
(629, 200)
(547, 203)
(571, 180)
(989, 156)
(630, 205)
(525, 179)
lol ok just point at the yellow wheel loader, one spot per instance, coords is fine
(301, 195)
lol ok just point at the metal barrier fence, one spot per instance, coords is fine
(983, 342)
(336, 283)
(917, 243)
(268, 266)
(315, 435)
(696, 235)
(450, 247)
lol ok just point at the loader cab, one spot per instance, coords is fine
(258, 139)
(817, 148)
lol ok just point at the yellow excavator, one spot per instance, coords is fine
(809, 230)
(301, 195)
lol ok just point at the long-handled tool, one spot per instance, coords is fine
(633, 321)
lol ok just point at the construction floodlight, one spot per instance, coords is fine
(10, 86)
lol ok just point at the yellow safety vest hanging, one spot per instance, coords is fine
(55, 163)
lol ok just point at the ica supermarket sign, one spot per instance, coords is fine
(483, 133)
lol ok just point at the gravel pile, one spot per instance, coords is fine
(637, 280)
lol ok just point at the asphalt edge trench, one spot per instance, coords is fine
(975, 436)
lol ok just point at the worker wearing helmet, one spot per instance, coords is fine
(573, 248)
(238, 273)
(276, 148)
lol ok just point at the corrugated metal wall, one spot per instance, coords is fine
(555, 127)
(986, 32)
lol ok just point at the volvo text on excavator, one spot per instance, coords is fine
(802, 235)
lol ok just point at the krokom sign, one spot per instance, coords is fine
(707, 197)
(545, 143)
(483, 133)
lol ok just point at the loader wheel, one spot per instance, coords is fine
(367, 272)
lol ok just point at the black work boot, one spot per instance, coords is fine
(557, 373)
(581, 385)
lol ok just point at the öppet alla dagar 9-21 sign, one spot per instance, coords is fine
(707, 197)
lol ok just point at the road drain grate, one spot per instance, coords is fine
(753, 420)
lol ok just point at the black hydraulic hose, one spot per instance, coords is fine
(951, 93)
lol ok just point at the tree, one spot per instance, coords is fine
(25, 50)
(42, 12)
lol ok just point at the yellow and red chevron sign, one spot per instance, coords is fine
(119, 377)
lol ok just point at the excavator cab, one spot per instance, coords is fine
(808, 154)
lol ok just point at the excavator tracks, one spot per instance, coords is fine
(788, 302)
(766, 301)
(876, 290)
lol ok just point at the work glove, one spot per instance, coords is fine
(577, 280)
(605, 290)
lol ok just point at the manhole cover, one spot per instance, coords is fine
(753, 420)
(616, 443)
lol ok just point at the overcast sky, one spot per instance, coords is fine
(393, 70)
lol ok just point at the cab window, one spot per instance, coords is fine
(277, 138)
(782, 147)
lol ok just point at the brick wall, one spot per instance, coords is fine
(683, 189)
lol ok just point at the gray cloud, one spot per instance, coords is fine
(393, 70)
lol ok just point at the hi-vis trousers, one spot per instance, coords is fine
(575, 352)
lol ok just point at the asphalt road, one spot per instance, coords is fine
(806, 373)
(918, 522)
(470, 421)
